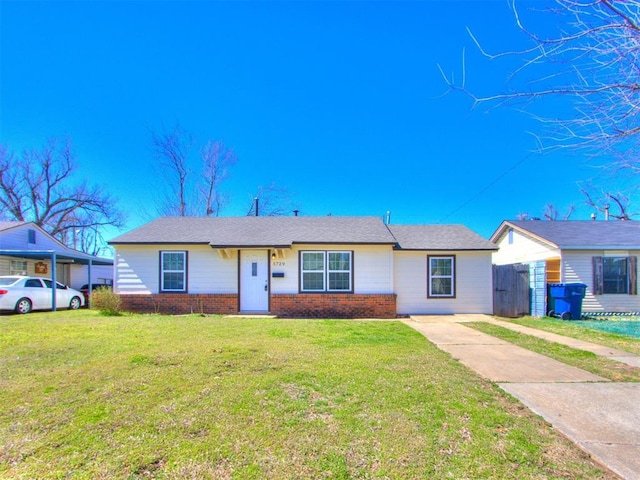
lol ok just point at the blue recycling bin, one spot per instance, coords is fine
(565, 300)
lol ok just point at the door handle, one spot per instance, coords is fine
(266, 287)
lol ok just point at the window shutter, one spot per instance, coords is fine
(633, 275)
(598, 277)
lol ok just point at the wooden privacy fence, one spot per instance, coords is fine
(511, 290)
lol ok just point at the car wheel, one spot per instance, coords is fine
(75, 303)
(23, 305)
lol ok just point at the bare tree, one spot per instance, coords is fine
(216, 162)
(190, 189)
(271, 200)
(39, 186)
(603, 204)
(592, 63)
(551, 212)
(172, 152)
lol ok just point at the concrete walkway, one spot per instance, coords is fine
(601, 417)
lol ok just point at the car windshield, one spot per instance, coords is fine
(4, 281)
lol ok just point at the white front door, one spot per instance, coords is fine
(254, 280)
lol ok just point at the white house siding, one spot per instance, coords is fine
(577, 267)
(474, 284)
(372, 268)
(523, 249)
(99, 274)
(137, 269)
(17, 239)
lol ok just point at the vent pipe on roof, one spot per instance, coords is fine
(606, 213)
(593, 216)
(256, 205)
(388, 218)
(295, 213)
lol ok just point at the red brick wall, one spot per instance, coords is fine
(180, 303)
(308, 305)
(334, 305)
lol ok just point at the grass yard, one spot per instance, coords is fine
(86, 396)
(610, 369)
(575, 330)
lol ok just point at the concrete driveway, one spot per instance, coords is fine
(600, 416)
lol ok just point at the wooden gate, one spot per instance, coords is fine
(511, 297)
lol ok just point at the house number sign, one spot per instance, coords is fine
(278, 264)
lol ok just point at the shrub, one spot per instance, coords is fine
(105, 300)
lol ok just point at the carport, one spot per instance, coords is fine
(57, 258)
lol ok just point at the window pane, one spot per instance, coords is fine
(441, 281)
(615, 275)
(441, 286)
(339, 281)
(18, 267)
(441, 266)
(313, 261)
(339, 261)
(173, 281)
(313, 281)
(173, 261)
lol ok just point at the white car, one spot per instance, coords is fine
(23, 294)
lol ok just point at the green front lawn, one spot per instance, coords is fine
(86, 396)
(602, 366)
(571, 329)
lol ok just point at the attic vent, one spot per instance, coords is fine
(31, 236)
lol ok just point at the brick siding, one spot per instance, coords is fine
(334, 305)
(308, 305)
(179, 303)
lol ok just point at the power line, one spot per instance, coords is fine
(487, 187)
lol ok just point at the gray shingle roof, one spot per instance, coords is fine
(260, 231)
(583, 234)
(439, 237)
(224, 232)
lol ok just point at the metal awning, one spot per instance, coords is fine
(68, 257)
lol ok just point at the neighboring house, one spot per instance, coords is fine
(26, 249)
(302, 266)
(600, 254)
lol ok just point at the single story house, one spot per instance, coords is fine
(600, 254)
(27, 249)
(302, 267)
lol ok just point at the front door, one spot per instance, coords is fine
(254, 281)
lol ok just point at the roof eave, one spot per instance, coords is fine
(600, 247)
(235, 245)
(311, 242)
(112, 242)
(424, 249)
(507, 224)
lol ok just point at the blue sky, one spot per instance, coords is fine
(341, 102)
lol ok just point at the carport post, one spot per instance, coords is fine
(54, 285)
(90, 284)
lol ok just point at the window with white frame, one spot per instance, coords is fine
(441, 273)
(18, 267)
(173, 271)
(326, 271)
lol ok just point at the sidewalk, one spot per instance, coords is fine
(600, 416)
